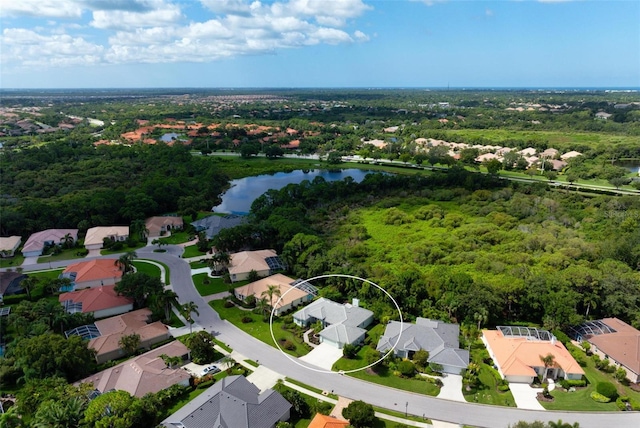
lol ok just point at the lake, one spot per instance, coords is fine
(242, 193)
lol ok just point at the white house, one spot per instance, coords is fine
(9, 245)
(96, 235)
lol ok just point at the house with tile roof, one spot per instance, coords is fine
(96, 235)
(144, 374)
(614, 340)
(232, 402)
(92, 273)
(263, 262)
(438, 338)
(100, 301)
(324, 421)
(113, 329)
(159, 225)
(517, 353)
(45, 238)
(343, 323)
(290, 296)
(9, 245)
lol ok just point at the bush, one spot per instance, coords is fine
(608, 390)
(568, 383)
(406, 368)
(288, 345)
(599, 398)
(206, 384)
(228, 304)
(246, 320)
(349, 351)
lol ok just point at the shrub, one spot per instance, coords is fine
(406, 368)
(228, 304)
(250, 301)
(503, 388)
(350, 351)
(206, 384)
(608, 390)
(288, 345)
(599, 398)
(206, 281)
(568, 383)
(246, 320)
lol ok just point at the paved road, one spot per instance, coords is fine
(415, 404)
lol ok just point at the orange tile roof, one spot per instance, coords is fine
(283, 282)
(323, 421)
(246, 261)
(94, 270)
(517, 356)
(96, 299)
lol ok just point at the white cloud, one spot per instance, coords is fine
(42, 8)
(153, 31)
(28, 48)
(162, 14)
(430, 2)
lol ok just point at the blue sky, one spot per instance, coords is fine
(319, 43)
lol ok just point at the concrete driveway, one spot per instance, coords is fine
(323, 356)
(264, 378)
(525, 396)
(452, 388)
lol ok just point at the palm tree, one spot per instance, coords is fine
(28, 284)
(170, 361)
(125, 262)
(68, 241)
(548, 360)
(188, 309)
(129, 343)
(138, 227)
(60, 413)
(263, 306)
(165, 301)
(272, 290)
(481, 316)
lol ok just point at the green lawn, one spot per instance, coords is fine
(192, 251)
(48, 274)
(148, 268)
(175, 321)
(198, 265)
(123, 250)
(70, 254)
(384, 376)
(176, 238)
(216, 285)
(488, 392)
(11, 262)
(259, 328)
(580, 400)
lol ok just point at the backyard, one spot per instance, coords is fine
(259, 329)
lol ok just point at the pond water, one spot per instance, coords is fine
(238, 199)
(167, 138)
(631, 165)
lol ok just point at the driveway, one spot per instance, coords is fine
(452, 388)
(323, 356)
(525, 396)
(264, 378)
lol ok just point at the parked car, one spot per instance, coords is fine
(212, 369)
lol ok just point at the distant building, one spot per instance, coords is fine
(290, 296)
(213, 224)
(160, 225)
(94, 239)
(602, 115)
(39, 240)
(263, 262)
(93, 273)
(10, 283)
(9, 245)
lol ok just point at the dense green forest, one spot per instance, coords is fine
(458, 246)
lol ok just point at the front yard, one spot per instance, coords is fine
(384, 376)
(256, 327)
(207, 286)
(486, 390)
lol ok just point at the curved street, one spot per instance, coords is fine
(381, 396)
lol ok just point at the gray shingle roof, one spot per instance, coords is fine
(333, 313)
(233, 402)
(438, 338)
(341, 333)
(213, 224)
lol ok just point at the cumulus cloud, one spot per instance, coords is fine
(41, 8)
(154, 31)
(28, 48)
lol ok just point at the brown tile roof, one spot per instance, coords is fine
(143, 374)
(94, 270)
(96, 299)
(622, 346)
(112, 329)
(281, 281)
(246, 261)
(154, 224)
(517, 356)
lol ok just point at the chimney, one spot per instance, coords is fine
(355, 302)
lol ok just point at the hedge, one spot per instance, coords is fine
(607, 389)
(599, 398)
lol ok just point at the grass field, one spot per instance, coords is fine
(192, 251)
(216, 285)
(176, 238)
(384, 376)
(70, 254)
(48, 274)
(11, 262)
(148, 268)
(260, 329)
